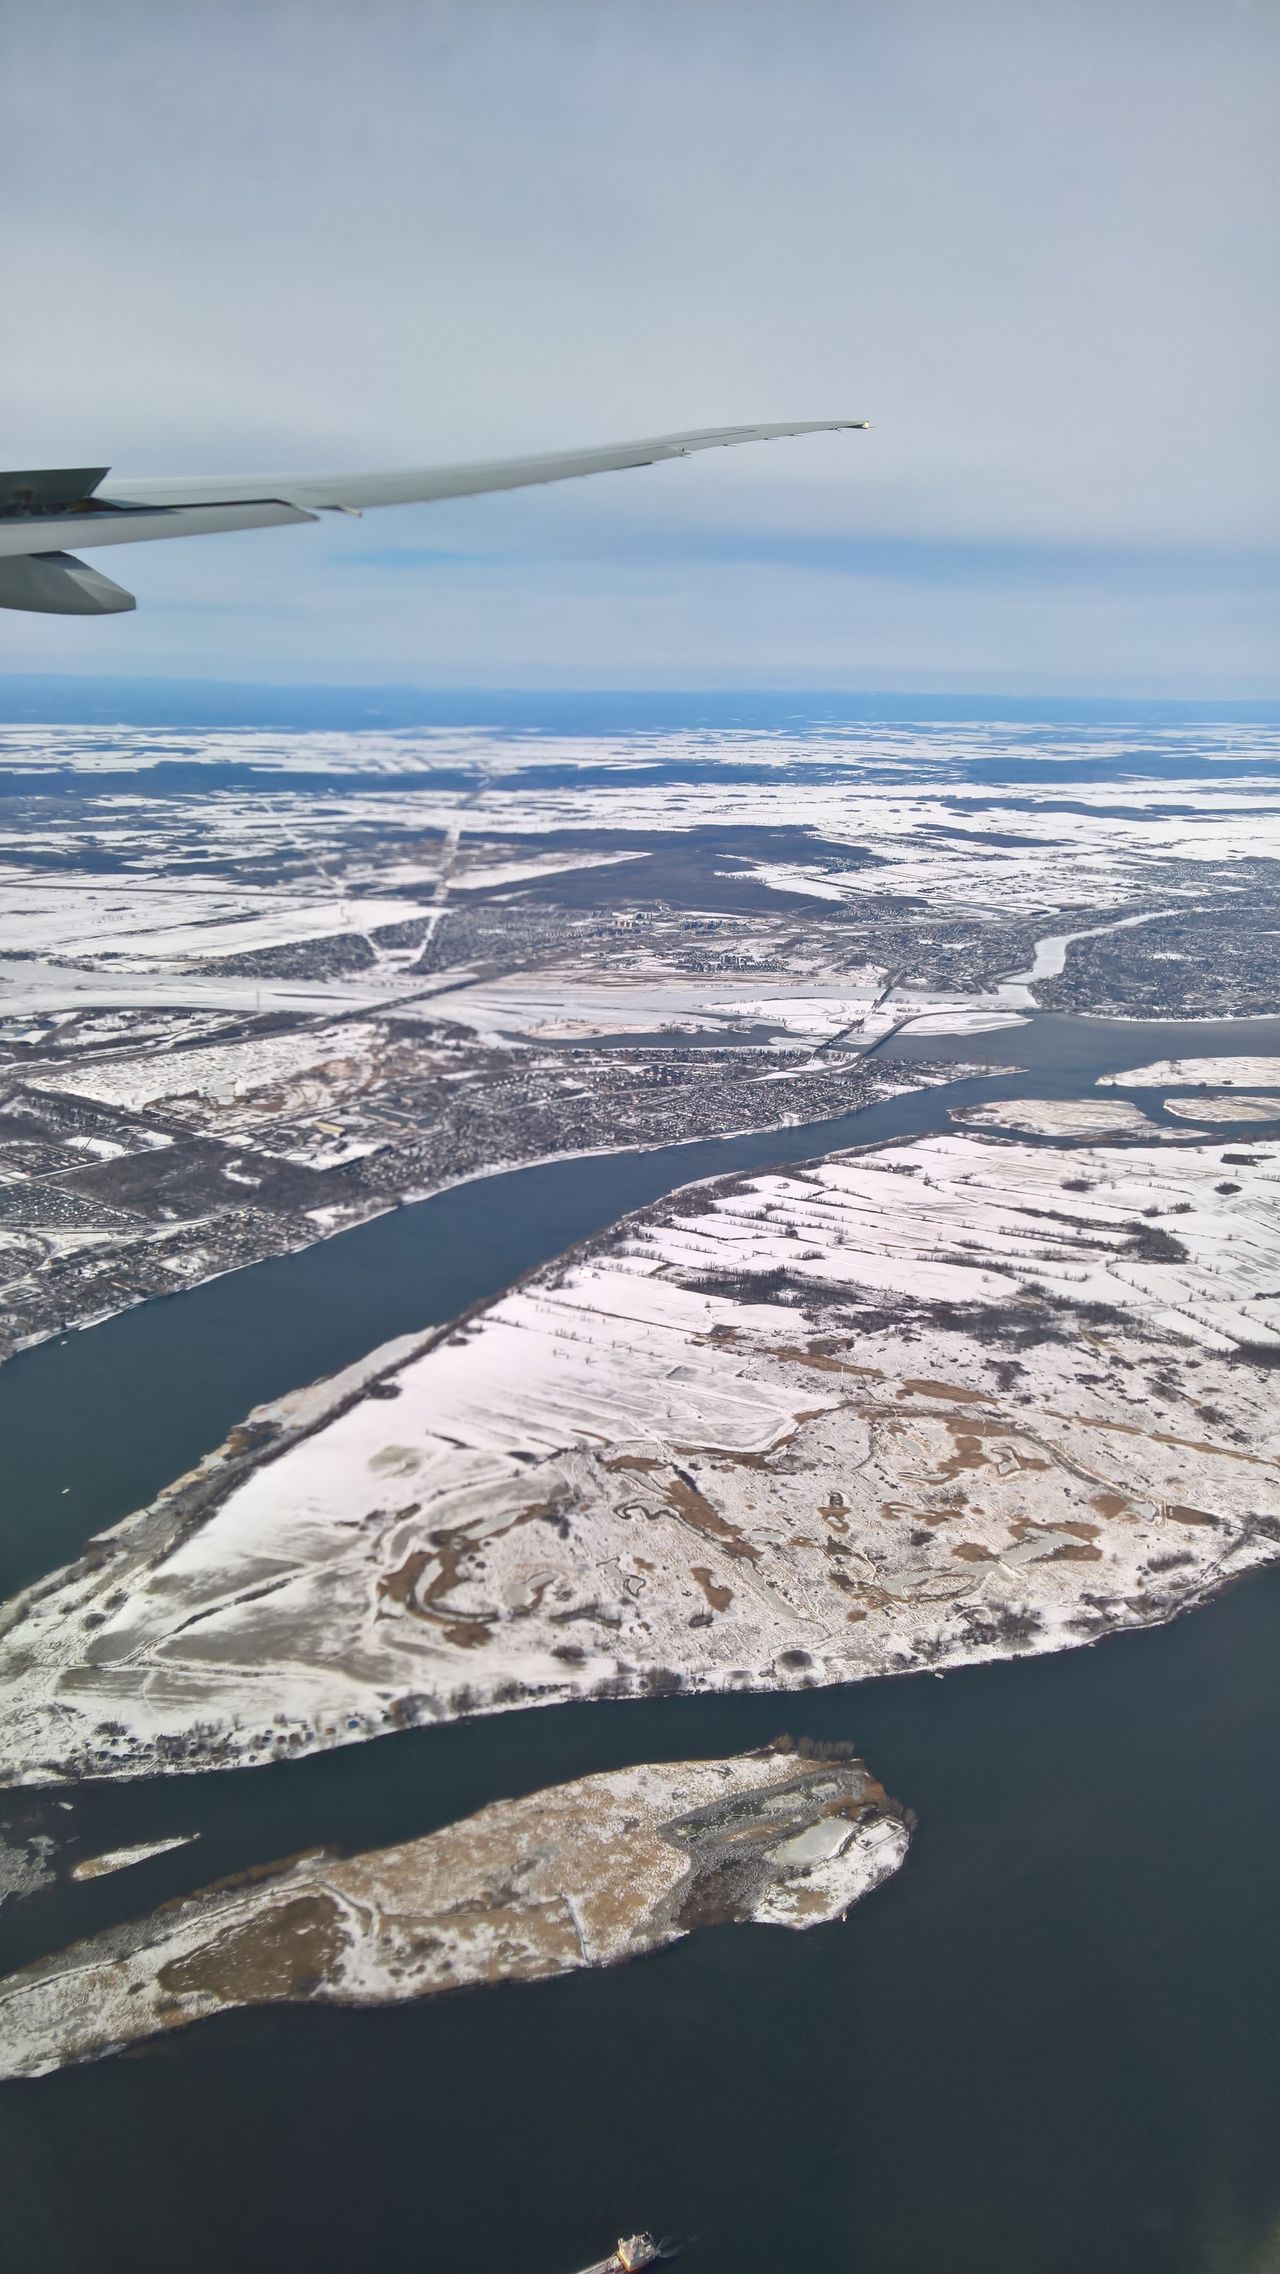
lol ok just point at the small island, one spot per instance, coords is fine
(586, 1874)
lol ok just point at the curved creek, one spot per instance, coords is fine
(1050, 2044)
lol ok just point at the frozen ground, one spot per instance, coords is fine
(1224, 1105)
(961, 1022)
(1188, 1073)
(227, 1074)
(122, 1859)
(586, 1874)
(378, 828)
(1059, 1117)
(255, 988)
(126, 1170)
(946, 1400)
(561, 1006)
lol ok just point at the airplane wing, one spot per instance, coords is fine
(43, 513)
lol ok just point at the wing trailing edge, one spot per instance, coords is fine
(43, 513)
(420, 485)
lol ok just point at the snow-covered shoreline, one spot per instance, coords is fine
(587, 1874)
(908, 1079)
(889, 1411)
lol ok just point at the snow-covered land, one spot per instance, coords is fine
(224, 1074)
(961, 1022)
(946, 1400)
(357, 968)
(1059, 1117)
(586, 1874)
(1212, 1106)
(924, 802)
(1186, 1073)
(122, 1859)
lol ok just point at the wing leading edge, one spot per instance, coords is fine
(45, 512)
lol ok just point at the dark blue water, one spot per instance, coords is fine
(92, 1426)
(1051, 2046)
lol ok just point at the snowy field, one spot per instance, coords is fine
(940, 1401)
(1210, 1107)
(1060, 1117)
(1189, 1073)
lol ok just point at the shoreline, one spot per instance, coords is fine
(795, 1396)
(147, 1770)
(911, 1085)
(416, 1196)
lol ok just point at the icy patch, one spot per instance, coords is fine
(120, 1859)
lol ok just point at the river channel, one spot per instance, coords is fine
(1050, 2046)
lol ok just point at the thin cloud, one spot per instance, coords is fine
(1027, 242)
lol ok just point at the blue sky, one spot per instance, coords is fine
(1031, 243)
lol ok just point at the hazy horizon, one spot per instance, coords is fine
(213, 705)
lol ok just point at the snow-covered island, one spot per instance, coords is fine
(1060, 1117)
(946, 1400)
(122, 1859)
(586, 1874)
(1210, 1090)
(1189, 1073)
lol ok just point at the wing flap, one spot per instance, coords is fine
(78, 506)
(131, 524)
(38, 490)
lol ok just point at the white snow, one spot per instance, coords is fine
(962, 1022)
(1186, 1073)
(120, 1859)
(1058, 1117)
(221, 1073)
(711, 1420)
(1224, 1105)
(588, 1873)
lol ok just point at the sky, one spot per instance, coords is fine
(1034, 244)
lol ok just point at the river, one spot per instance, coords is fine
(1050, 2045)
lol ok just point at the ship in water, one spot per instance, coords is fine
(631, 2254)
